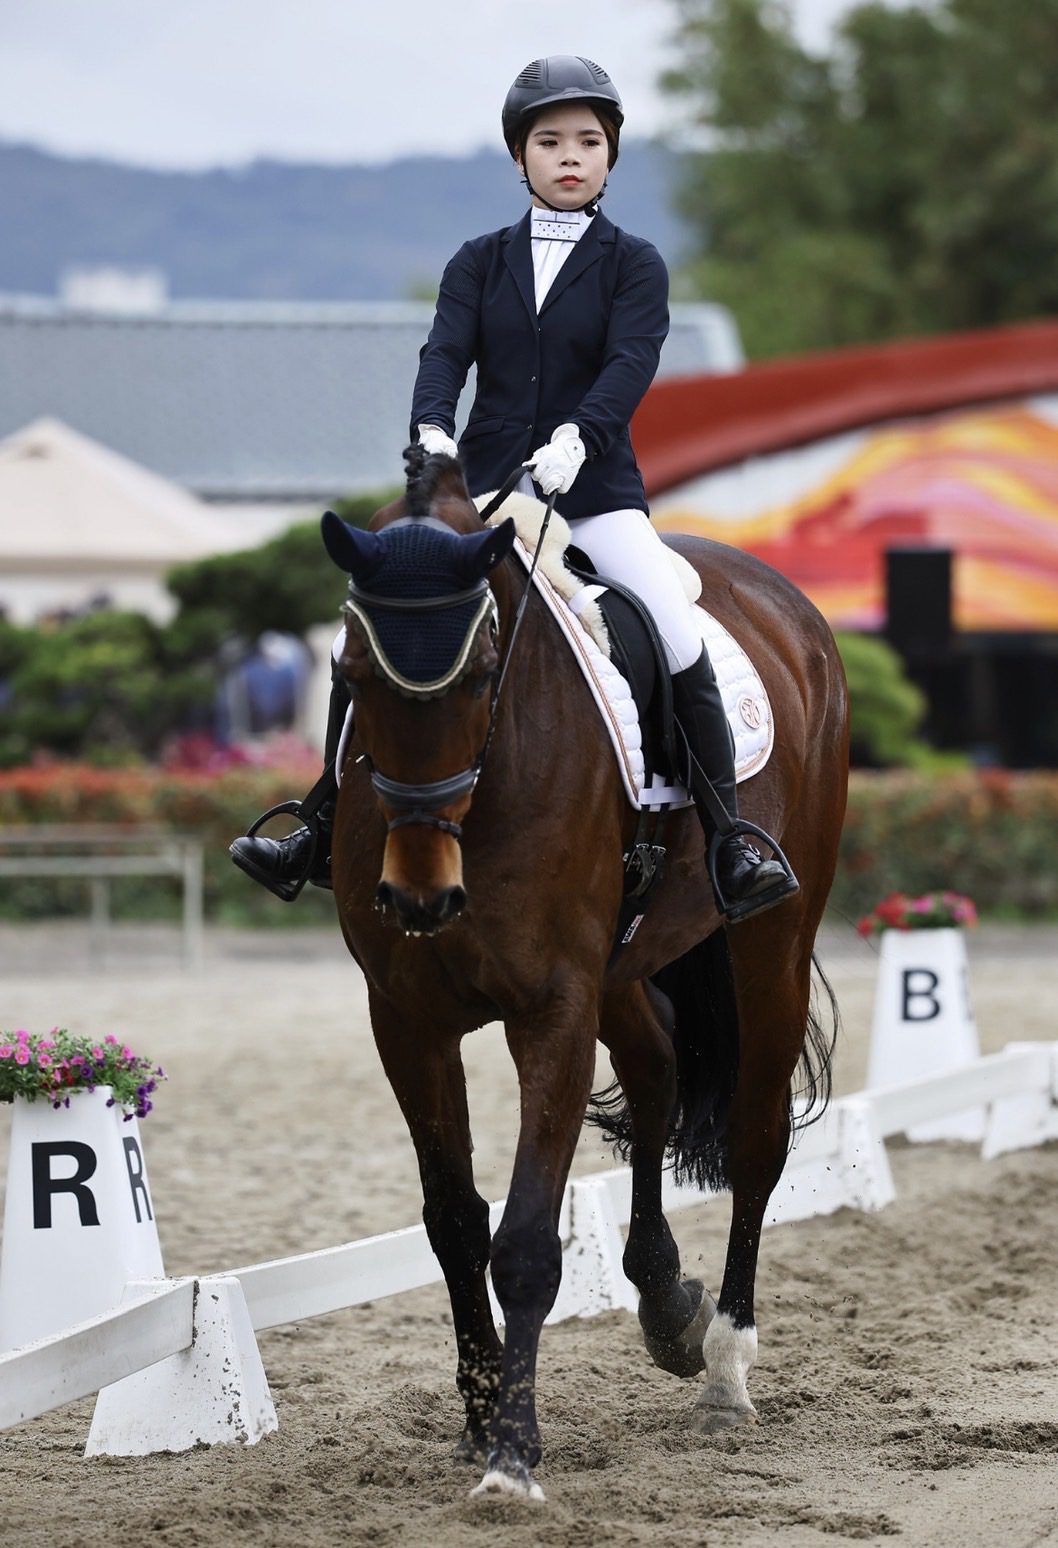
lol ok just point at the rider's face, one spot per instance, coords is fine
(566, 157)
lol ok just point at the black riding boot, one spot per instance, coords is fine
(285, 865)
(747, 883)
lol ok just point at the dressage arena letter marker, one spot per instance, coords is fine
(137, 1180)
(78, 1221)
(919, 984)
(923, 1024)
(45, 1185)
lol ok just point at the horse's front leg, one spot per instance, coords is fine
(426, 1073)
(554, 1052)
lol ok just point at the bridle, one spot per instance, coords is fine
(419, 804)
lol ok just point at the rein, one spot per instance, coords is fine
(418, 804)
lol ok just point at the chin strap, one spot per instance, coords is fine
(591, 208)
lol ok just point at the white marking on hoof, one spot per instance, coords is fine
(729, 1355)
(495, 1482)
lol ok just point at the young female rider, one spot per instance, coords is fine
(564, 316)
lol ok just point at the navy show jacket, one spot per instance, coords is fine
(588, 357)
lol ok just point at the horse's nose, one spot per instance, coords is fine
(421, 916)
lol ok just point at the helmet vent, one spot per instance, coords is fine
(596, 70)
(532, 75)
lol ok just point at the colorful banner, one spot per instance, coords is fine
(983, 483)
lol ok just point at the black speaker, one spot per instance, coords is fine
(918, 599)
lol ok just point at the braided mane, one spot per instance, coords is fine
(423, 474)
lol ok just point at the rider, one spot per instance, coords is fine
(564, 315)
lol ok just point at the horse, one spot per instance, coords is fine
(477, 866)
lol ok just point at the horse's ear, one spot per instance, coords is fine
(482, 551)
(353, 550)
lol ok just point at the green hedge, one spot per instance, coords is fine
(216, 807)
(991, 835)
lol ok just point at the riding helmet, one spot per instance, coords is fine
(560, 78)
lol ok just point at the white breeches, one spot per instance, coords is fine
(624, 546)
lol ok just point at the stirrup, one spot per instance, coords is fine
(286, 890)
(734, 911)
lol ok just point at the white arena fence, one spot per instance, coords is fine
(165, 1345)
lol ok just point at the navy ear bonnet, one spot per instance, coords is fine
(423, 649)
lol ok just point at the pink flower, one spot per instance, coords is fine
(127, 1053)
(97, 1052)
(44, 1060)
(46, 1042)
(22, 1054)
(6, 1051)
(110, 1039)
(22, 1037)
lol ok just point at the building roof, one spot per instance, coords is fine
(688, 428)
(247, 401)
(67, 503)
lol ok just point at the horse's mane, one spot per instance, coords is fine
(424, 473)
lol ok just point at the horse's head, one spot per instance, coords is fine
(420, 657)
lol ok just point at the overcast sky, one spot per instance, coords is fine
(193, 83)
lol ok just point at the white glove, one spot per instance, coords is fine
(556, 465)
(434, 440)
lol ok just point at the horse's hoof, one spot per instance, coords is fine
(520, 1483)
(709, 1419)
(682, 1355)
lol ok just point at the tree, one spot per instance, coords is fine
(887, 709)
(288, 583)
(906, 183)
(105, 685)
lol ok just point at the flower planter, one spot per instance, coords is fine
(923, 1024)
(78, 1217)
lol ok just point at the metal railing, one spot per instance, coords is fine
(99, 853)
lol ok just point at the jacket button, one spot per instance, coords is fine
(532, 378)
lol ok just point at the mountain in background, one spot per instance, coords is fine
(283, 231)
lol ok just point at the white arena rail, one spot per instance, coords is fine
(77, 1362)
(169, 1324)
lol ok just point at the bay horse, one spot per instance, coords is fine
(473, 891)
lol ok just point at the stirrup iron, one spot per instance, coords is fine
(289, 890)
(758, 902)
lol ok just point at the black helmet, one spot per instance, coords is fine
(559, 78)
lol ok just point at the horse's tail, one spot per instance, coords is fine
(700, 988)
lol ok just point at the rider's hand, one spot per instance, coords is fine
(556, 465)
(434, 441)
